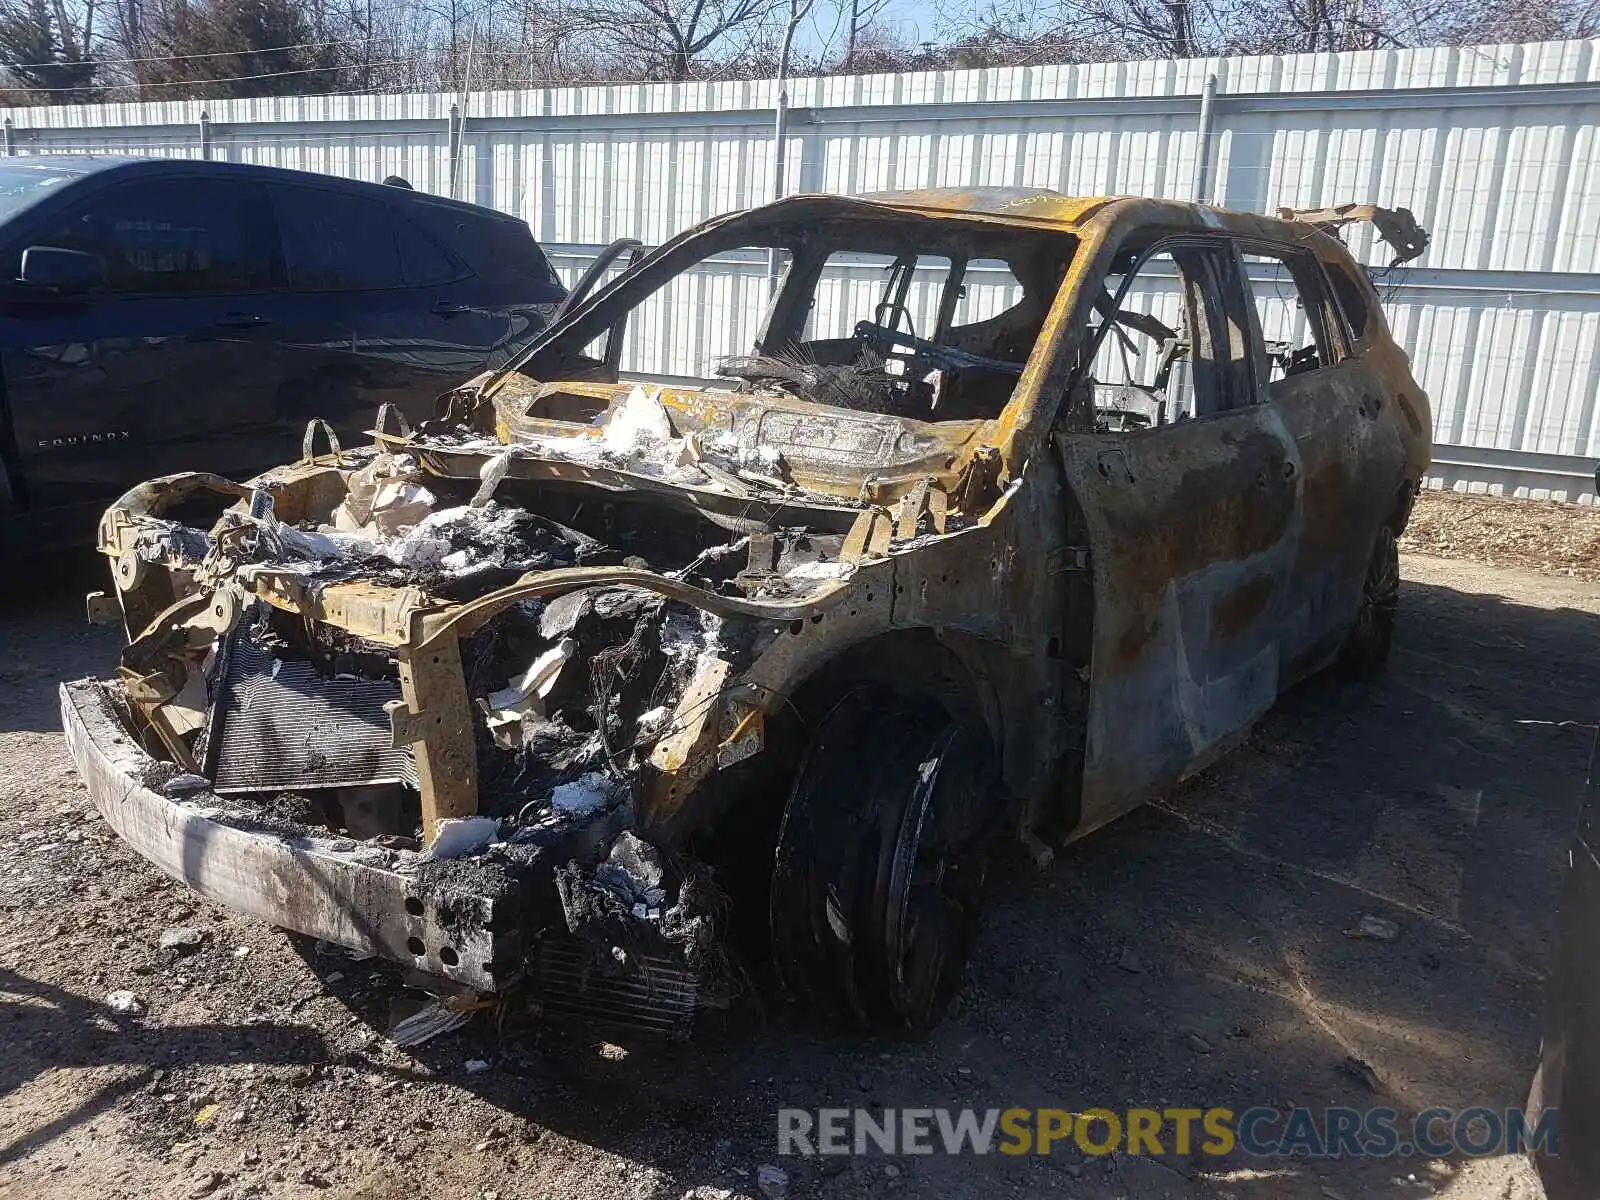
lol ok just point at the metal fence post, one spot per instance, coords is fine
(205, 136)
(455, 147)
(11, 139)
(1202, 165)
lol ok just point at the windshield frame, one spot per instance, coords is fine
(806, 228)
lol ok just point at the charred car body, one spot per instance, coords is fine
(557, 688)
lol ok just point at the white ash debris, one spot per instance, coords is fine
(457, 837)
(819, 572)
(650, 723)
(323, 545)
(586, 794)
(384, 497)
(690, 634)
(639, 422)
(758, 459)
(126, 1003)
(459, 541)
(636, 437)
(386, 515)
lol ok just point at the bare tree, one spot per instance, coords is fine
(77, 50)
(1161, 28)
(860, 31)
(45, 47)
(221, 48)
(671, 39)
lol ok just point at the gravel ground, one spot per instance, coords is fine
(1191, 953)
(1543, 535)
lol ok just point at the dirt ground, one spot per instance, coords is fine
(1440, 798)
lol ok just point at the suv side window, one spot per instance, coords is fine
(335, 241)
(171, 237)
(499, 246)
(1300, 326)
(1170, 339)
(423, 262)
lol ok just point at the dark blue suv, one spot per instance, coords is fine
(159, 315)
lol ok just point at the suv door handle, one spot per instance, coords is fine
(444, 308)
(241, 320)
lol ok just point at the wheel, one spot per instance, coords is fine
(1366, 646)
(880, 860)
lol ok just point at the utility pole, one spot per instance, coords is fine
(458, 113)
(780, 126)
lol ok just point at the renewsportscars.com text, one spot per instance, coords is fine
(1261, 1132)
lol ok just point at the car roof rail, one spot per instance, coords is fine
(1397, 227)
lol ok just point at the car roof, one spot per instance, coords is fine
(1019, 207)
(139, 167)
(1012, 203)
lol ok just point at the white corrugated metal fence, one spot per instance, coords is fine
(1493, 147)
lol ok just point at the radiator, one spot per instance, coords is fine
(280, 726)
(655, 994)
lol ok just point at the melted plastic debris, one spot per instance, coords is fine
(426, 1023)
(633, 903)
(633, 870)
(185, 784)
(158, 539)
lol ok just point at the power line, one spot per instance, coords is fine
(239, 78)
(118, 62)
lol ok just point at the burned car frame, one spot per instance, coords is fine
(560, 687)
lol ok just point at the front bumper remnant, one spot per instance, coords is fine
(327, 888)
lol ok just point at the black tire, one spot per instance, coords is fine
(1366, 646)
(881, 859)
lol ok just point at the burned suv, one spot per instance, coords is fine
(965, 514)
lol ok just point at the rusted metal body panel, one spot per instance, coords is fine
(1193, 531)
(1396, 226)
(606, 606)
(1348, 458)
